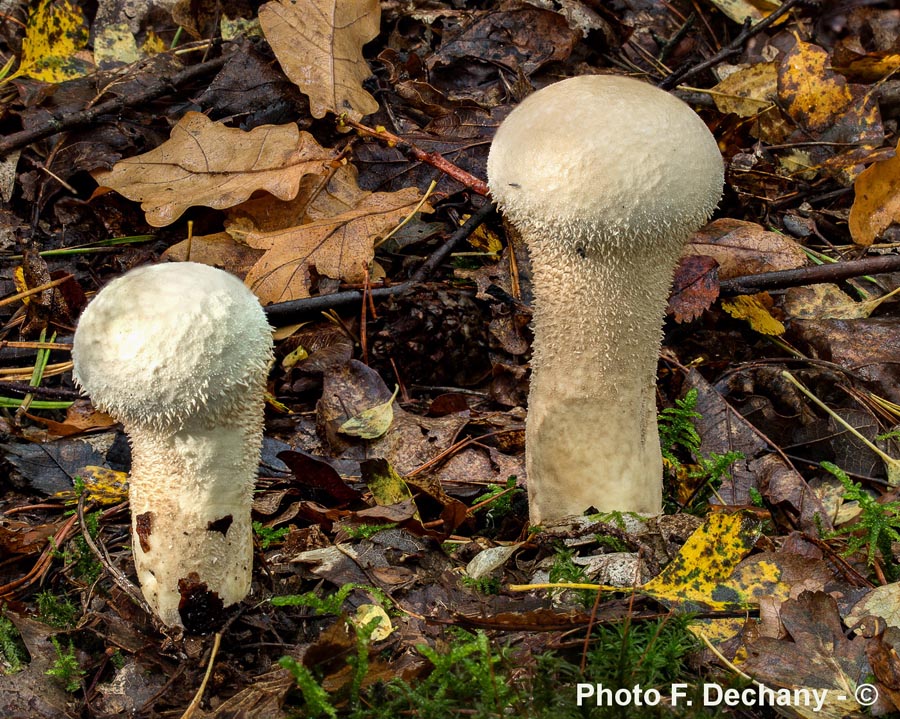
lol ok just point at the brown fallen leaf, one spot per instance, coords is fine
(694, 288)
(818, 657)
(745, 248)
(877, 202)
(341, 246)
(206, 163)
(319, 45)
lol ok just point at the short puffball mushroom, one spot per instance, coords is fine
(605, 178)
(179, 353)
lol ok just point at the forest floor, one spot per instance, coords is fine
(333, 156)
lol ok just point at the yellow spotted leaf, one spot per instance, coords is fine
(748, 91)
(740, 10)
(697, 579)
(101, 485)
(811, 92)
(752, 308)
(55, 32)
(373, 422)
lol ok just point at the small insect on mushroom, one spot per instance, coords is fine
(179, 353)
(605, 178)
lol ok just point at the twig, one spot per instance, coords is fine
(732, 48)
(289, 311)
(434, 159)
(61, 121)
(195, 702)
(750, 284)
(35, 290)
(117, 576)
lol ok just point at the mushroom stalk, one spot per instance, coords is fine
(591, 430)
(179, 353)
(605, 178)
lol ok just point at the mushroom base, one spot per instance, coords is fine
(592, 452)
(191, 495)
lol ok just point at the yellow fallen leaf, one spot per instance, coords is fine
(748, 91)
(877, 203)
(55, 32)
(365, 613)
(102, 485)
(752, 309)
(809, 90)
(373, 422)
(387, 487)
(697, 578)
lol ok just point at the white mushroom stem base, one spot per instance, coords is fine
(591, 425)
(190, 496)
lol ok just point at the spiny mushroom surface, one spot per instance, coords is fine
(179, 353)
(605, 178)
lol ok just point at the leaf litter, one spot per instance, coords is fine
(398, 517)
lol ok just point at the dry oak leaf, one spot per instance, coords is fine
(745, 248)
(319, 45)
(877, 203)
(206, 163)
(341, 247)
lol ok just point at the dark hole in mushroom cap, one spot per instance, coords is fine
(143, 527)
(220, 525)
(201, 610)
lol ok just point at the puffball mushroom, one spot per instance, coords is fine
(179, 353)
(605, 178)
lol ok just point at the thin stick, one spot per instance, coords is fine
(35, 290)
(198, 697)
(434, 159)
(283, 312)
(732, 48)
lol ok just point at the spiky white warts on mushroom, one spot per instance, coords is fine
(179, 353)
(605, 177)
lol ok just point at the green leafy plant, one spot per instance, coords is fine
(269, 535)
(77, 555)
(332, 603)
(56, 611)
(12, 651)
(564, 569)
(678, 435)
(367, 531)
(878, 524)
(483, 585)
(66, 669)
(677, 429)
(496, 509)
(317, 701)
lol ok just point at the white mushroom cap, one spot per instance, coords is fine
(179, 353)
(609, 158)
(162, 342)
(605, 177)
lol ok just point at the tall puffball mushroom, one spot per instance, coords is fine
(605, 178)
(179, 353)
